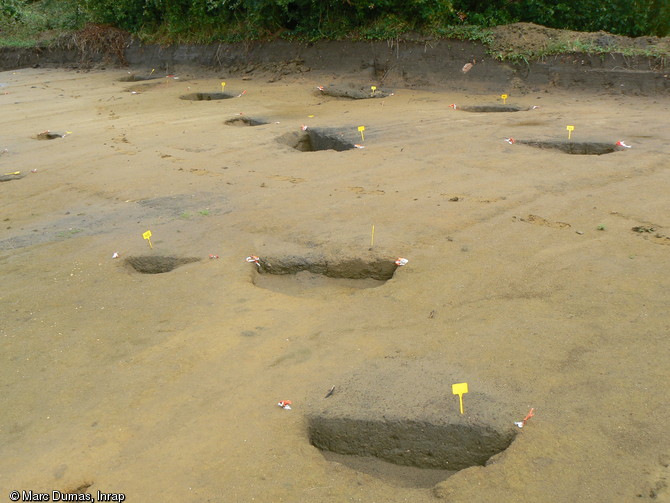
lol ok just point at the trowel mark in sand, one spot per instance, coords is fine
(291, 179)
(534, 219)
(362, 190)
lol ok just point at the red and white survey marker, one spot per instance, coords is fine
(522, 423)
(254, 259)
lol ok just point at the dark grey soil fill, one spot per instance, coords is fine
(445, 446)
(10, 176)
(138, 78)
(245, 121)
(314, 140)
(378, 269)
(48, 135)
(353, 93)
(206, 96)
(157, 264)
(571, 147)
(491, 108)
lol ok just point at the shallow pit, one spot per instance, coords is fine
(8, 177)
(49, 135)
(245, 121)
(138, 78)
(206, 96)
(312, 276)
(396, 417)
(491, 108)
(574, 147)
(314, 140)
(442, 445)
(157, 264)
(381, 269)
(352, 93)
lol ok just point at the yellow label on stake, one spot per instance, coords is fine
(147, 236)
(361, 129)
(460, 389)
(372, 237)
(570, 130)
(13, 173)
(504, 97)
(152, 71)
(223, 86)
(374, 88)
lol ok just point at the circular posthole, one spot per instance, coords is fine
(352, 93)
(574, 147)
(314, 140)
(157, 264)
(492, 108)
(398, 412)
(206, 96)
(137, 78)
(245, 121)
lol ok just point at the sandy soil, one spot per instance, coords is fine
(164, 387)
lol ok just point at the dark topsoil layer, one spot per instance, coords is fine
(413, 62)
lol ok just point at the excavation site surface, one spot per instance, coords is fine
(535, 277)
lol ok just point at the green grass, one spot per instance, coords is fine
(38, 23)
(25, 23)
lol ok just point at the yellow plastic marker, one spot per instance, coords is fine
(13, 173)
(361, 129)
(223, 86)
(310, 116)
(147, 236)
(374, 88)
(152, 71)
(460, 389)
(372, 237)
(504, 98)
(570, 130)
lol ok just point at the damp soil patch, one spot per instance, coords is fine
(491, 108)
(157, 264)
(364, 425)
(314, 140)
(206, 96)
(245, 121)
(574, 147)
